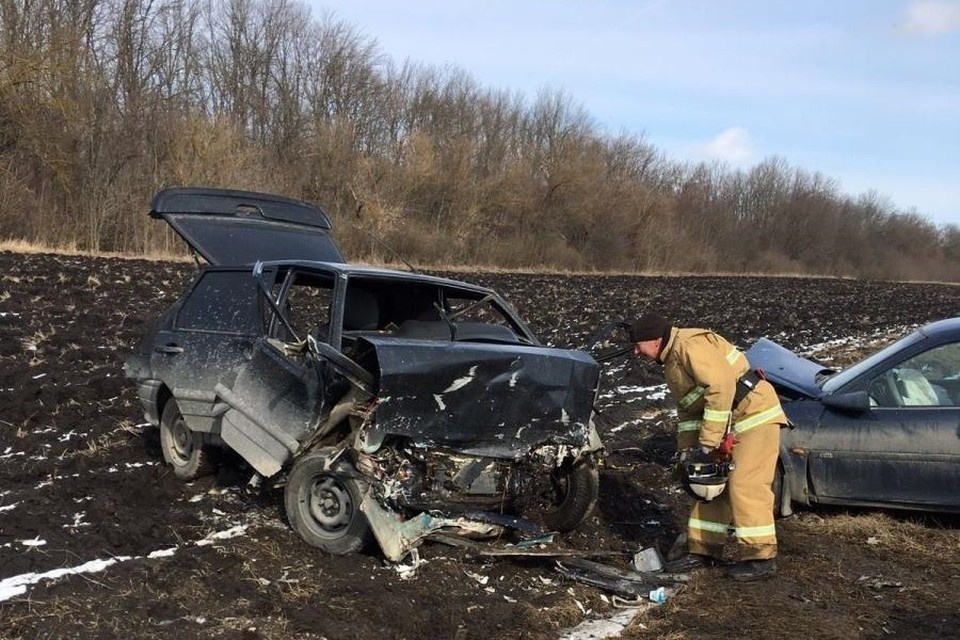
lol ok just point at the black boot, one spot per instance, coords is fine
(688, 562)
(749, 570)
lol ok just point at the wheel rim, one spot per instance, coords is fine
(181, 442)
(330, 504)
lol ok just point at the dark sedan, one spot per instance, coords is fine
(884, 432)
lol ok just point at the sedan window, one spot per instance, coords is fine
(930, 379)
(222, 302)
(307, 306)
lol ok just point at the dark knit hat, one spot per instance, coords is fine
(649, 326)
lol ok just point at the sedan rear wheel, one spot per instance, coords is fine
(183, 449)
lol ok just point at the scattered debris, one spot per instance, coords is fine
(648, 560)
(621, 581)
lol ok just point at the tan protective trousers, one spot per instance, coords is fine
(745, 508)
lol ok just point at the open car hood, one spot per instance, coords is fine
(229, 227)
(786, 370)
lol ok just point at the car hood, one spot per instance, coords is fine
(786, 370)
(229, 227)
(493, 400)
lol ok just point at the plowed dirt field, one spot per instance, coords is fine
(98, 539)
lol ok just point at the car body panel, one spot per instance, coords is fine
(888, 452)
(786, 369)
(886, 457)
(229, 227)
(202, 340)
(495, 400)
(275, 403)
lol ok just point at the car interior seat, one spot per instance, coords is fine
(915, 390)
(361, 311)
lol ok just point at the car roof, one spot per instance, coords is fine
(367, 271)
(941, 327)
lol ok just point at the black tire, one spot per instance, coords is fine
(576, 489)
(323, 506)
(182, 448)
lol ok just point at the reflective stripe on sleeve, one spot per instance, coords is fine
(770, 415)
(762, 531)
(706, 525)
(692, 396)
(733, 355)
(688, 425)
(712, 415)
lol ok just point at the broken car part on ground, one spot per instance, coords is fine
(389, 404)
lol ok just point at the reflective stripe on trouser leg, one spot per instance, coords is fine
(750, 492)
(709, 526)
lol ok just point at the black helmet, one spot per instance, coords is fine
(705, 480)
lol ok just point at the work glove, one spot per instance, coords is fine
(696, 455)
(689, 456)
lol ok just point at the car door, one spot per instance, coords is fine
(208, 338)
(905, 449)
(283, 389)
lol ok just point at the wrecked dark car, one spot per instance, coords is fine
(884, 432)
(389, 404)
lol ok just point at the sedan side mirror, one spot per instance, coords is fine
(852, 401)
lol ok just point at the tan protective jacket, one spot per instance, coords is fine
(701, 370)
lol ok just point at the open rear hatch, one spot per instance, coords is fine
(230, 227)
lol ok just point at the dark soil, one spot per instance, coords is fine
(82, 480)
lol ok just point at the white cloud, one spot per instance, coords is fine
(733, 146)
(931, 18)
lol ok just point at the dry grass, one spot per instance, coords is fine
(887, 534)
(33, 342)
(22, 246)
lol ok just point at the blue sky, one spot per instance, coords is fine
(863, 91)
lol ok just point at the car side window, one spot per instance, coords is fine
(307, 307)
(222, 302)
(479, 319)
(929, 379)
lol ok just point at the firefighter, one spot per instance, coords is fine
(726, 413)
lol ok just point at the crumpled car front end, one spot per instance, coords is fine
(465, 435)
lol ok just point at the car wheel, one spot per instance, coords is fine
(182, 448)
(323, 506)
(576, 488)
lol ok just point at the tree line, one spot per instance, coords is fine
(103, 102)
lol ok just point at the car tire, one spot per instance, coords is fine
(576, 491)
(183, 449)
(323, 506)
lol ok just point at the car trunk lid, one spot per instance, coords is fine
(230, 227)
